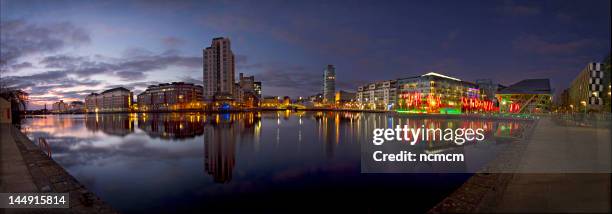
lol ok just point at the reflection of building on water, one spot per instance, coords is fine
(112, 124)
(330, 125)
(165, 126)
(510, 130)
(325, 122)
(220, 153)
(221, 133)
(171, 126)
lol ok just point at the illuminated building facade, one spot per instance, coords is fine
(526, 96)
(60, 107)
(437, 93)
(270, 102)
(317, 98)
(112, 100)
(345, 97)
(171, 97)
(218, 71)
(588, 90)
(377, 95)
(346, 100)
(91, 102)
(329, 84)
(257, 89)
(286, 100)
(247, 92)
(76, 106)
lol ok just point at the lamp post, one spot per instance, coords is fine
(585, 106)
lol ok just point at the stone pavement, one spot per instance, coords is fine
(14, 174)
(560, 169)
(555, 193)
(25, 168)
(581, 154)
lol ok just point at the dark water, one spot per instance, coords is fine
(244, 162)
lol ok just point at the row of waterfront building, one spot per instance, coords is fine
(72, 107)
(427, 93)
(175, 96)
(437, 93)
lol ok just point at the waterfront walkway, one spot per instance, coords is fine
(560, 168)
(25, 168)
(14, 174)
(582, 154)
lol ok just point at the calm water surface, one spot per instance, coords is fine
(244, 162)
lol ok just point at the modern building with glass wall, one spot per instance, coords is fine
(329, 84)
(173, 96)
(526, 96)
(257, 89)
(437, 93)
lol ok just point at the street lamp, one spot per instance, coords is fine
(584, 104)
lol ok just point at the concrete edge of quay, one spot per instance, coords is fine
(50, 177)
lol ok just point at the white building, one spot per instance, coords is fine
(112, 100)
(60, 107)
(378, 95)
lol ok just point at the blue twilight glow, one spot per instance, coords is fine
(66, 49)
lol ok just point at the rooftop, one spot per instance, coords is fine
(116, 89)
(528, 86)
(440, 75)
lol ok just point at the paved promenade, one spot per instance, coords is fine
(25, 168)
(582, 152)
(560, 168)
(14, 174)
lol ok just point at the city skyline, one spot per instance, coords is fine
(78, 49)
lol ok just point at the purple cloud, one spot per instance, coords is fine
(20, 38)
(535, 44)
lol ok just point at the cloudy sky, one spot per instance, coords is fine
(67, 49)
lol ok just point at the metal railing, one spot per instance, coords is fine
(44, 146)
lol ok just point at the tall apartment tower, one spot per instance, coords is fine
(329, 84)
(218, 70)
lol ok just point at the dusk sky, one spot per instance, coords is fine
(68, 49)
